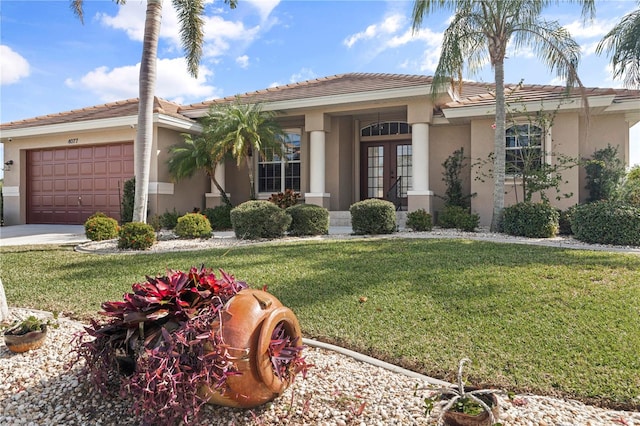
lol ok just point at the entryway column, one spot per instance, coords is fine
(317, 125)
(213, 198)
(419, 115)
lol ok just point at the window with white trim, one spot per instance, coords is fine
(278, 174)
(523, 149)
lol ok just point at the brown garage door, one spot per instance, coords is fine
(67, 185)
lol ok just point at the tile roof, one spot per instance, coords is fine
(117, 109)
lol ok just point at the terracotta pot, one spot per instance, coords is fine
(454, 418)
(24, 342)
(248, 321)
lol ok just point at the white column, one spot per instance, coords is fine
(317, 163)
(420, 160)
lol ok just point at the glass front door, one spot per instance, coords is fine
(386, 171)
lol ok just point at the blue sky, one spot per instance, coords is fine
(52, 63)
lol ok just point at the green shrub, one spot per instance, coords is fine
(219, 217)
(630, 189)
(459, 218)
(419, 220)
(128, 198)
(607, 222)
(605, 171)
(169, 220)
(136, 236)
(259, 219)
(533, 220)
(285, 199)
(308, 219)
(564, 220)
(373, 216)
(193, 225)
(99, 227)
(156, 222)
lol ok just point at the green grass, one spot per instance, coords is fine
(546, 320)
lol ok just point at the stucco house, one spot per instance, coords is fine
(351, 137)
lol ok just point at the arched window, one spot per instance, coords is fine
(523, 149)
(386, 128)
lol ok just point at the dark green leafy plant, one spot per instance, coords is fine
(163, 342)
(169, 219)
(459, 218)
(219, 217)
(136, 236)
(193, 225)
(607, 222)
(454, 194)
(605, 171)
(285, 199)
(99, 227)
(308, 219)
(128, 197)
(630, 190)
(373, 216)
(564, 220)
(533, 220)
(419, 220)
(29, 324)
(259, 219)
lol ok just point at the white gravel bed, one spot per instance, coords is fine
(36, 388)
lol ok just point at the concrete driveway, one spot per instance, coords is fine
(20, 235)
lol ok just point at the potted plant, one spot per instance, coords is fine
(29, 333)
(188, 338)
(464, 407)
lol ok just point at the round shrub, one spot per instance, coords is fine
(259, 219)
(308, 219)
(193, 225)
(419, 220)
(373, 216)
(607, 222)
(533, 220)
(219, 217)
(99, 227)
(136, 236)
(458, 217)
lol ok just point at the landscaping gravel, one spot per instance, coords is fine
(38, 388)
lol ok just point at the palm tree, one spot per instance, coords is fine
(191, 34)
(241, 130)
(622, 43)
(197, 154)
(481, 30)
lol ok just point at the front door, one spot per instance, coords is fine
(385, 171)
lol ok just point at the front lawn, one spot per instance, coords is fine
(546, 320)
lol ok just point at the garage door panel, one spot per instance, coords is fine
(68, 184)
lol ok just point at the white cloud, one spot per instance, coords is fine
(265, 7)
(243, 61)
(389, 25)
(174, 82)
(588, 30)
(303, 75)
(13, 66)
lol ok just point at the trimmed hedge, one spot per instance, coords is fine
(459, 218)
(136, 236)
(564, 221)
(607, 222)
(308, 219)
(532, 220)
(193, 225)
(219, 217)
(373, 216)
(419, 220)
(99, 227)
(256, 219)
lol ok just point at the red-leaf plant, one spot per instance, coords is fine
(160, 344)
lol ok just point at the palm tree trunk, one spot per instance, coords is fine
(144, 134)
(4, 308)
(499, 148)
(223, 193)
(252, 189)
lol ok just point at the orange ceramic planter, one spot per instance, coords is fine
(248, 321)
(25, 342)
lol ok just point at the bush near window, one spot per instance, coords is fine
(193, 225)
(285, 199)
(169, 220)
(256, 219)
(99, 227)
(459, 218)
(419, 220)
(605, 171)
(136, 236)
(564, 220)
(532, 220)
(607, 222)
(308, 219)
(219, 217)
(373, 216)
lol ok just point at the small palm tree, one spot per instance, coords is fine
(480, 32)
(242, 130)
(622, 43)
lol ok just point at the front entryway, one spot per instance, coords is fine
(386, 171)
(67, 185)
